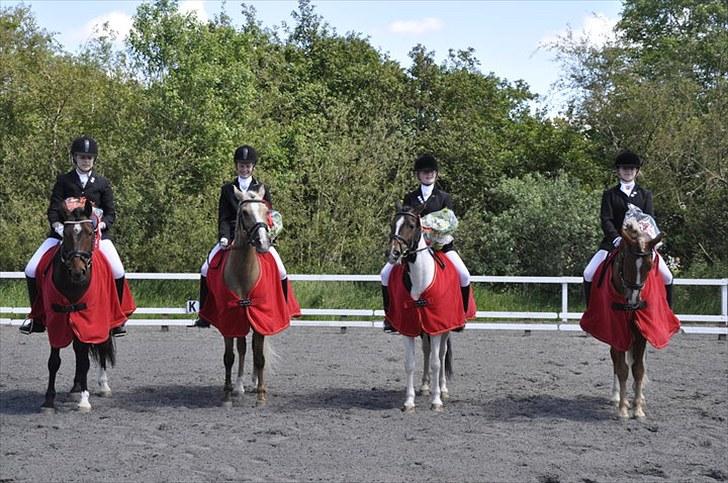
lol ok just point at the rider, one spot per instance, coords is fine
(245, 159)
(434, 199)
(614, 207)
(82, 180)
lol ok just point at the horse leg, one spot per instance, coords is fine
(228, 358)
(425, 387)
(409, 368)
(102, 381)
(258, 366)
(622, 371)
(443, 373)
(82, 366)
(54, 363)
(638, 373)
(239, 386)
(435, 365)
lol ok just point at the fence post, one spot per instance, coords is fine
(724, 305)
(564, 302)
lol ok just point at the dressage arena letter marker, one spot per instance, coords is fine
(192, 306)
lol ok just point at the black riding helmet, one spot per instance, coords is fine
(426, 162)
(628, 159)
(246, 154)
(84, 145)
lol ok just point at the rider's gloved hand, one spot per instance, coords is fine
(224, 242)
(58, 228)
(617, 241)
(102, 226)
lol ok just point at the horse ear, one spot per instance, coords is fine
(656, 240)
(238, 194)
(397, 206)
(261, 190)
(88, 208)
(418, 209)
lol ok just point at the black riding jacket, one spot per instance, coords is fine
(614, 208)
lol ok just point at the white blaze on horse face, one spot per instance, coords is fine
(634, 295)
(77, 229)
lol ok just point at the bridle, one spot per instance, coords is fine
(252, 232)
(68, 256)
(627, 285)
(410, 247)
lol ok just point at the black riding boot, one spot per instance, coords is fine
(668, 292)
(30, 325)
(284, 286)
(119, 331)
(465, 292)
(587, 291)
(200, 322)
(385, 304)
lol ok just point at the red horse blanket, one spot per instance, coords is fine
(440, 307)
(92, 317)
(656, 321)
(265, 307)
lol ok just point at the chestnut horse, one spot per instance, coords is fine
(240, 273)
(632, 264)
(72, 272)
(407, 243)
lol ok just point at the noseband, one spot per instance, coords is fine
(252, 232)
(68, 256)
(410, 247)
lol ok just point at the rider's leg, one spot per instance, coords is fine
(281, 271)
(30, 325)
(117, 271)
(590, 270)
(463, 275)
(666, 276)
(200, 322)
(384, 275)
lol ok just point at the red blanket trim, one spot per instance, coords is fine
(656, 321)
(268, 312)
(90, 324)
(438, 312)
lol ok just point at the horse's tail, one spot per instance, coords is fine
(448, 361)
(272, 358)
(105, 353)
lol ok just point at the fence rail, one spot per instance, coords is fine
(485, 320)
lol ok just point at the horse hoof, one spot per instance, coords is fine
(623, 414)
(227, 404)
(425, 389)
(437, 408)
(101, 393)
(445, 395)
(408, 409)
(260, 402)
(47, 410)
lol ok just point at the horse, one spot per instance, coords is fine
(632, 265)
(407, 244)
(72, 272)
(240, 273)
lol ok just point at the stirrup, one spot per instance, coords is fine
(387, 327)
(29, 326)
(202, 323)
(119, 331)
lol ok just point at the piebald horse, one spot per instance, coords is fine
(407, 244)
(240, 273)
(632, 265)
(72, 272)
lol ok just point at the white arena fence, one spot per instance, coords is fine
(562, 320)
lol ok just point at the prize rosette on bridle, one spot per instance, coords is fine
(91, 317)
(264, 308)
(439, 308)
(655, 321)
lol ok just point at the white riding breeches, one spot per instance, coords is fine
(106, 247)
(206, 265)
(452, 255)
(601, 255)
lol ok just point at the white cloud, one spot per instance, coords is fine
(118, 22)
(596, 30)
(422, 26)
(196, 7)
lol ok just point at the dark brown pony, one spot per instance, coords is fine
(72, 271)
(632, 265)
(241, 271)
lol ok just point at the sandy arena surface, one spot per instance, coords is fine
(523, 408)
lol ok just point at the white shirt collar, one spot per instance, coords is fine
(426, 190)
(83, 176)
(244, 183)
(626, 187)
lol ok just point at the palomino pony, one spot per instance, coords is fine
(241, 271)
(632, 265)
(407, 243)
(72, 272)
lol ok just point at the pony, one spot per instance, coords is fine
(407, 245)
(72, 270)
(243, 270)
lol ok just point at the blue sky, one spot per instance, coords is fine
(507, 35)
